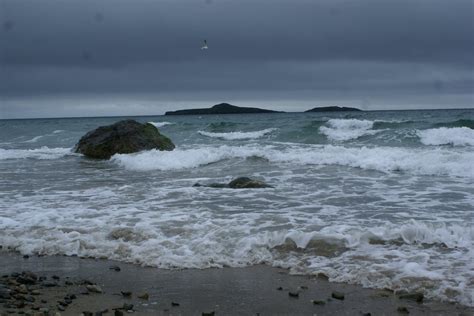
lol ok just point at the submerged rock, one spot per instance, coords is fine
(247, 183)
(124, 137)
(239, 183)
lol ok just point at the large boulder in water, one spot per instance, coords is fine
(124, 137)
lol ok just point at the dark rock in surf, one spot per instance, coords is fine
(124, 137)
(222, 108)
(239, 183)
(247, 183)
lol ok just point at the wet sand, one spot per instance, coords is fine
(257, 290)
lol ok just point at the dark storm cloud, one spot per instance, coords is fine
(117, 32)
(351, 48)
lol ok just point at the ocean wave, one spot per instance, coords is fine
(39, 153)
(238, 135)
(458, 123)
(161, 124)
(347, 129)
(456, 136)
(34, 139)
(385, 159)
(343, 252)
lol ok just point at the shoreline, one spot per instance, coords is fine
(253, 290)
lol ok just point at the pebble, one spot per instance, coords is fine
(94, 288)
(115, 268)
(403, 309)
(143, 296)
(318, 302)
(127, 307)
(337, 295)
(126, 293)
(418, 297)
(87, 313)
(293, 294)
(118, 313)
(208, 313)
(174, 304)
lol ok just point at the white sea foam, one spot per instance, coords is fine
(456, 136)
(386, 159)
(238, 135)
(346, 129)
(161, 124)
(39, 153)
(34, 139)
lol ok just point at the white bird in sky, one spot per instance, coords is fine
(204, 46)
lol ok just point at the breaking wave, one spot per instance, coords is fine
(385, 159)
(161, 124)
(347, 129)
(39, 153)
(456, 136)
(238, 135)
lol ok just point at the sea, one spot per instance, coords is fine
(384, 199)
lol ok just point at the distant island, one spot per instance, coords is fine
(222, 108)
(333, 109)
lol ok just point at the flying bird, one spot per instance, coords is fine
(204, 46)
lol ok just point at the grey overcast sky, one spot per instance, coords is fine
(143, 57)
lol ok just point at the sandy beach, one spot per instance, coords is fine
(69, 286)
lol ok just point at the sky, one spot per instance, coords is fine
(62, 58)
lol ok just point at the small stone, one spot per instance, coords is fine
(35, 292)
(293, 294)
(63, 303)
(68, 283)
(50, 284)
(126, 293)
(55, 277)
(61, 308)
(93, 288)
(127, 307)
(208, 313)
(87, 313)
(318, 302)
(115, 268)
(26, 257)
(174, 304)
(322, 276)
(118, 313)
(366, 314)
(279, 288)
(418, 297)
(403, 309)
(44, 301)
(144, 296)
(337, 295)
